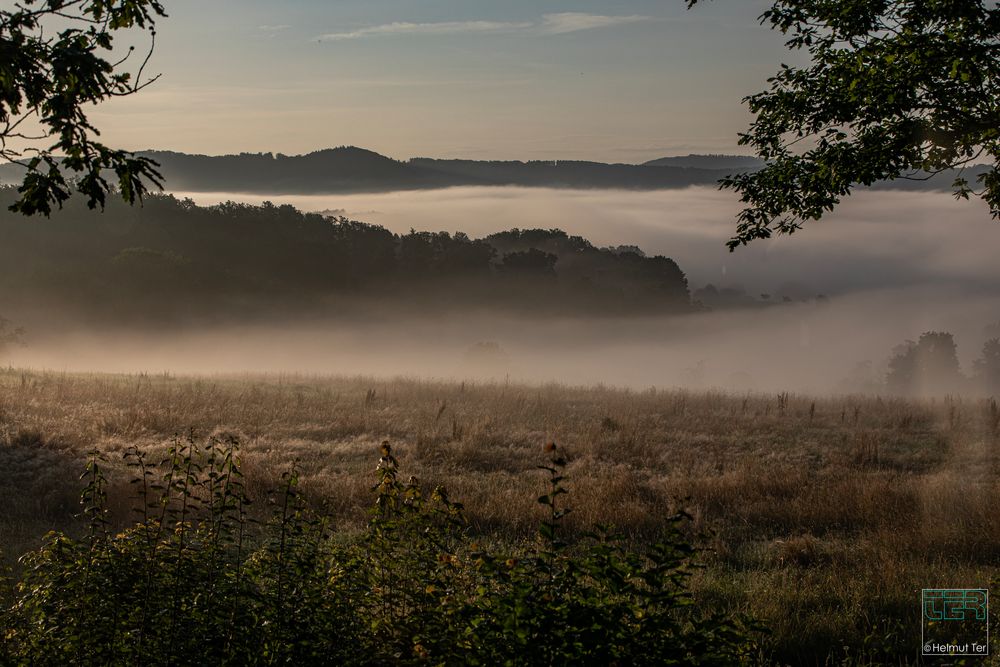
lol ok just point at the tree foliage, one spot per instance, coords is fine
(172, 260)
(893, 89)
(929, 366)
(57, 57)
(9, 335)
(988, 366)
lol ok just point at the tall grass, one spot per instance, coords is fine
(823, 517)
(196, 581)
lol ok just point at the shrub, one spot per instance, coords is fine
(196, 580)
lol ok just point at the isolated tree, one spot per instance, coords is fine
(9, 336)
(929, 366)
(992, 330)
(894, 89)
(988, 366)
(57, 57)
(901, 377)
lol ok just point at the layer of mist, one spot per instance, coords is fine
(806, 347)
(894, 264)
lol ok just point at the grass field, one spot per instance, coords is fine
(823, 518)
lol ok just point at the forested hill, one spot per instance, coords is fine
(171, 259)
(569, 174)
(336, 170)
(350, 169)
(723, 162)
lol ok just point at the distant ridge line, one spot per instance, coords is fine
(351, 169)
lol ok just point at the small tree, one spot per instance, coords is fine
(9, 336)
(988, 367)
(929, 366)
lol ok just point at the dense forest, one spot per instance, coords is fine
(173, 259)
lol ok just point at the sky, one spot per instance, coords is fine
(618, 81)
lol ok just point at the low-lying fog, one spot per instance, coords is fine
(895, 264)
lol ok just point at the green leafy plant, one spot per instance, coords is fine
(893, 89)
(198, 580)
(56, 59)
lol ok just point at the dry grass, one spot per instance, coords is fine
(825, 517)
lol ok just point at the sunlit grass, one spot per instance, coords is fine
(824, 517)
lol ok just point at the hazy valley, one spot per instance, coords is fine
(466, 333)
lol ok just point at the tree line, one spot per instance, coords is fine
(172, 258)
(930, 366)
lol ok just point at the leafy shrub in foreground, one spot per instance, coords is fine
(197, 581)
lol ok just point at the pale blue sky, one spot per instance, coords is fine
(626, 80)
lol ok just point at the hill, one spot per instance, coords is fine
(350, 169)
(727, 162)
(569, 174)
(170, 261)
(344, 169)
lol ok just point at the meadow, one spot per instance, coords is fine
(822, 518)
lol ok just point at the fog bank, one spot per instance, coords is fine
(807, 347)
(895, 265)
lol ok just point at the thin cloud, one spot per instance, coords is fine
(444, 28)
(566, 22)
(273, 28)
(550, 24)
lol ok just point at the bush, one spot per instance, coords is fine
(196, 580)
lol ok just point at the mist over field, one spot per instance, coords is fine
(893, 265)
(800, 347)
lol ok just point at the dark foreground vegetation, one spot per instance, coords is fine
(197, 580)
(171, 259)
